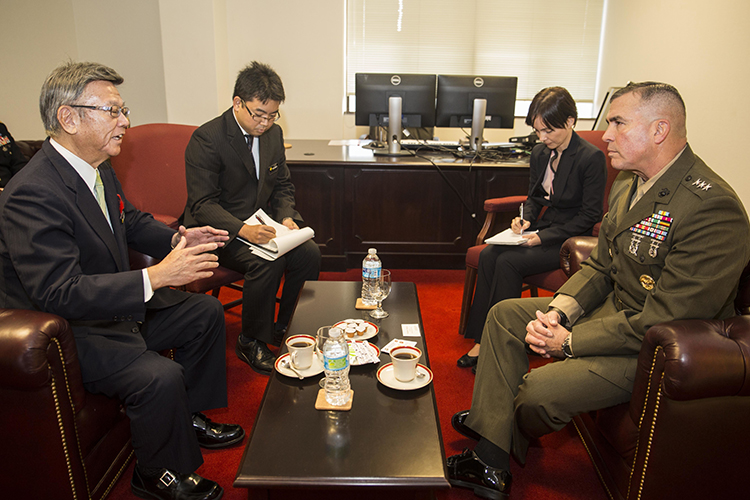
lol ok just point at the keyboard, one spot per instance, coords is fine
(500, 145)
(428, 144)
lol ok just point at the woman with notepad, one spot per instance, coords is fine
(567, 176)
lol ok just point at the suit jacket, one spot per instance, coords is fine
(576, 205)
(677, 254)
(220, 174)
(59, 255)
(11, 157)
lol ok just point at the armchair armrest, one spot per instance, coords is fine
(37, 348)
(698, 359)
(690, 405)
(574, 251)
(493, 206)
(30, 343)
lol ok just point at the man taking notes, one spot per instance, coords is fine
(235, 164)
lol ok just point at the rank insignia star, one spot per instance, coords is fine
(705, 186)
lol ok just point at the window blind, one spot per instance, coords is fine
(542, 42)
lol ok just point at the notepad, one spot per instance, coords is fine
(508, 237)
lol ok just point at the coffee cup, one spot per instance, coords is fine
(405, 360)
(301, 348)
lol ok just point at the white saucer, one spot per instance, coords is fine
(385, 375)
(315, 368)
(372, 330)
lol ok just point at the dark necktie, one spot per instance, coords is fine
(249, 139)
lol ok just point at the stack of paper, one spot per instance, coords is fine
(286, 239)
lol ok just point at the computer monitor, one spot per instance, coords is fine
(477, 102)
(395, 101)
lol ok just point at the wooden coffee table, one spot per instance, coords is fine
(389, 443)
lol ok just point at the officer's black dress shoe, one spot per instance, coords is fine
(466, 470)
(467, 361)
(278, 335)
(474, 369)
(171, 485)
(213, 435)
(256, 354)
(458, 422)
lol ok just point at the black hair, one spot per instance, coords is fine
(554, 105)
(259, 81)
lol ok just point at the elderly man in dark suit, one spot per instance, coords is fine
(235, 164)
(672, 246)
(65, 230)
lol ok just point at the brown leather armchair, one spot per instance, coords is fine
(59, 441)
(684, 434)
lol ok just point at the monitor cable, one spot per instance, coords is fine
(467, 207)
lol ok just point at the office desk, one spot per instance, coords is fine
(418, 215)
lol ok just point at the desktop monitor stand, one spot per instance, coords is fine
(477, 124)
(394, 130)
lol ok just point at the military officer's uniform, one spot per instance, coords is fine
(677, 253)
(11, 157)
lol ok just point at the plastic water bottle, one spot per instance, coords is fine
(371, 267)
(336, 366)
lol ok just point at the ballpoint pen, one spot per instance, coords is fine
(520, 213)
(261, 220)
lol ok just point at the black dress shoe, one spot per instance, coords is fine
(171, 485)
(256, 354)
(213, 435)
(278, 335)
(466, 361)
(466, 470)
(458, 422)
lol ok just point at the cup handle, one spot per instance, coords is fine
(293, 356)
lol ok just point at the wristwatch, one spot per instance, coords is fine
(563, 317)
(566, 347)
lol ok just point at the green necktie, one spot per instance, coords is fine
(99, 190)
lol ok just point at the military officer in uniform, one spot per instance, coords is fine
(672, 246)
(11, 157)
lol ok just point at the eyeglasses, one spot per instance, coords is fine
(114, 111)
(260, 118)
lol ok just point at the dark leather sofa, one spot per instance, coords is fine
(59, 441)
(686, 432)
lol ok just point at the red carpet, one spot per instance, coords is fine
(557, 467)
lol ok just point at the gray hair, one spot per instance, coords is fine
(65, 85)
(659, 96)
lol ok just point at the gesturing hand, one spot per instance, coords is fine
(200, 235)
(184, 264)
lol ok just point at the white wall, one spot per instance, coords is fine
(38, 35)
(29, 54)
(702, 49)
(180, 58)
